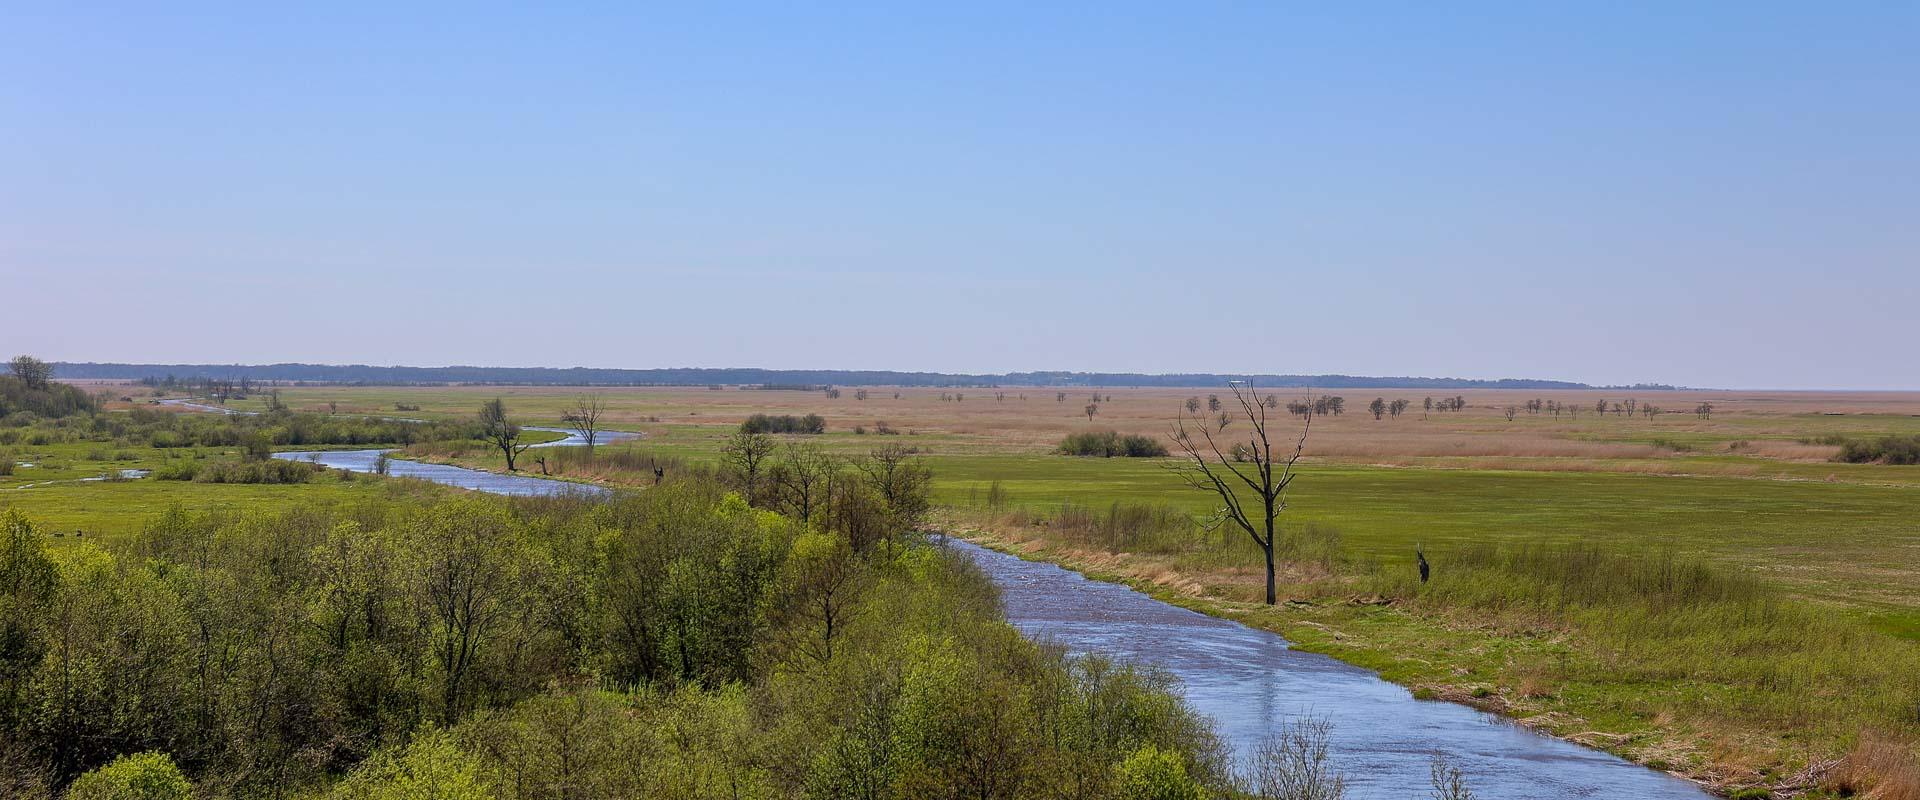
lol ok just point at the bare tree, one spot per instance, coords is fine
(744, 457)
(1426, 408)
(1294, 764)
(1704, 410)
(1091, 410)
(1510, 412)
(500, 431)
(1378, 407)
(1207, 466)
(585, 417)
(804, 478)
(1449, 783)
(1193, 405)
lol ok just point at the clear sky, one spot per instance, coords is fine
(1707, 194)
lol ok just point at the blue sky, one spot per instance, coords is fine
(1715, 195)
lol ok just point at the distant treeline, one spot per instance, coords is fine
(781, 378)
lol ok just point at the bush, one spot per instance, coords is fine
(271, 471)
(1108, 444)
(784, 423)
(1901, 450)
(141, 776)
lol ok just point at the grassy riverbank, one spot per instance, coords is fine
(1703, 673)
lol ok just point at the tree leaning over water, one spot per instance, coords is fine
(1205, 465)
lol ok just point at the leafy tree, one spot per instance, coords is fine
(1151, 773)
(140, 776)
(500, 431)
(430, 767)
(33, 372)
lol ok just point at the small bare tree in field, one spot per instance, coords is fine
(1377, 408)
(1092, 409)
(861, 394)
(1059, 397)
(1207, 466)
(500, 431)
(584, 418)
(1193, 405)
(1510, 412)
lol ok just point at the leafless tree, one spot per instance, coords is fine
(585, 417)
(1213, 402)
(1294, 764)
(1378, 407)
(1510, 412)
(1059, 397)
(1092, 409)
(1193, 405)
(1207, 466)
(500, 431)
(744, 457)
(1449, 783)
(1704, 410)
(804, 478)
(861, 394)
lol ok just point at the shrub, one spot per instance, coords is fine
(784, 423)
(1108, 444)
(1151, 773)
(270, 471)
(1901, 450)
(141, 776)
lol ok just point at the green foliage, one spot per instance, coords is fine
(1108, 444)
(22, 402)
(272, 471)
(676, 642)
(1899, 450)
(140, 776)
(1151, 773)
(784, 423)
(431, 767)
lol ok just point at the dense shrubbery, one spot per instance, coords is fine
(1110, 443)
(266, 471)
(165, 429)
(784, 423)
(673, 643)
(21, 404)
(1903, 450)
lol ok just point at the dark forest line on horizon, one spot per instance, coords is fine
(793, 378)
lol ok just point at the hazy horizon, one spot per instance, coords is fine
(1700, 197)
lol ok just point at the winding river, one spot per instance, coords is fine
(1249, 681)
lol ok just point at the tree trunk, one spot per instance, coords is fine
(1271, 597)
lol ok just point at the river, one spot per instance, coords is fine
(1249, 681)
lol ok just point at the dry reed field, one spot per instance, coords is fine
(1748, 434)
